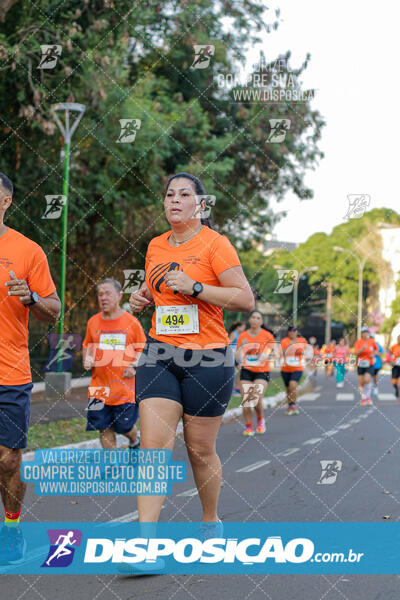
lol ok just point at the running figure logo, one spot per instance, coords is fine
(54, 206)
(286, 280)
(133, 280)
(62, 547)
(358, 204)
(279, 129)
(204, 205)
(252, 393)
(157, 274)
(129, 128)
(202, 56)
(50, 56)
(330, 471)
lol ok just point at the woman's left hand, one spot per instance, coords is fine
(178, 281)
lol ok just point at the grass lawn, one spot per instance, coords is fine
(71, 431)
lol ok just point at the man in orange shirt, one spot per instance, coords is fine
(365, 349)
(111, 348)
(395, 358)
(26, 287)
(293, 349)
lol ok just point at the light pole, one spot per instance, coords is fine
(296, 288)
(361, 265)
(67, 129)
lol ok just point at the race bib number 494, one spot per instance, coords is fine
(177, 319)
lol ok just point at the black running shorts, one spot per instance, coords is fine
(201, 380)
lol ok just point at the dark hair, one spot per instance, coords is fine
(6, 184)
(262, 316)
(199, 189)
(111, 280)
(234, 326)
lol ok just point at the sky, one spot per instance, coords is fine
(353, 47)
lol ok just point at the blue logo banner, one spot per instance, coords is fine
(191, 548)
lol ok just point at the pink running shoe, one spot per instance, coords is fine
(261, 426)
(249, 430)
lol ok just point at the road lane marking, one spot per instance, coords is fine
(309, 397)
(253, 466)
(330, 432)
(312, 441)
(188, 493)
(344, 397)
(344, 426)
(386, 397)
(288, 452)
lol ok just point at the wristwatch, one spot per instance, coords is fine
(197, 288)
(34, 299)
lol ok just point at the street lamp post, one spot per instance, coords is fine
(296, 290)
(361, 265)
(67, 129)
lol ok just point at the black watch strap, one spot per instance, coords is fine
(197, 289)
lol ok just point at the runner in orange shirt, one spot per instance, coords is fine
(254, 347)
(187, 367)
(395, 359)
(365, 349)
(111, 348)
(26, 287)
(293, 349)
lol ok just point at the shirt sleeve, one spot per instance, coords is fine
(39, 278)
(88, 337)
(223, 255)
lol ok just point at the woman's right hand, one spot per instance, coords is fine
(140, 299)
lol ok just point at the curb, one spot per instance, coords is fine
(230, 415)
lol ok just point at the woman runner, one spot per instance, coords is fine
(254, 347)
(187, 366)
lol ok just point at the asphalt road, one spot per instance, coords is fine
(266, 478)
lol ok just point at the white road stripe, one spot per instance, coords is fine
(344, 397)
(288, 452)
(188, 493)
(344, 426)
(253, 467)
(309, 397)
(386, 397)
(312, 441)
(330, 432)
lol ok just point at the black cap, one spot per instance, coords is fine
(292, 328)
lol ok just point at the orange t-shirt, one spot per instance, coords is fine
(28, 261)
(293, 354)
(203, 258)
(368, 353)
(253, 346)
(395, 354)
(115, 343)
